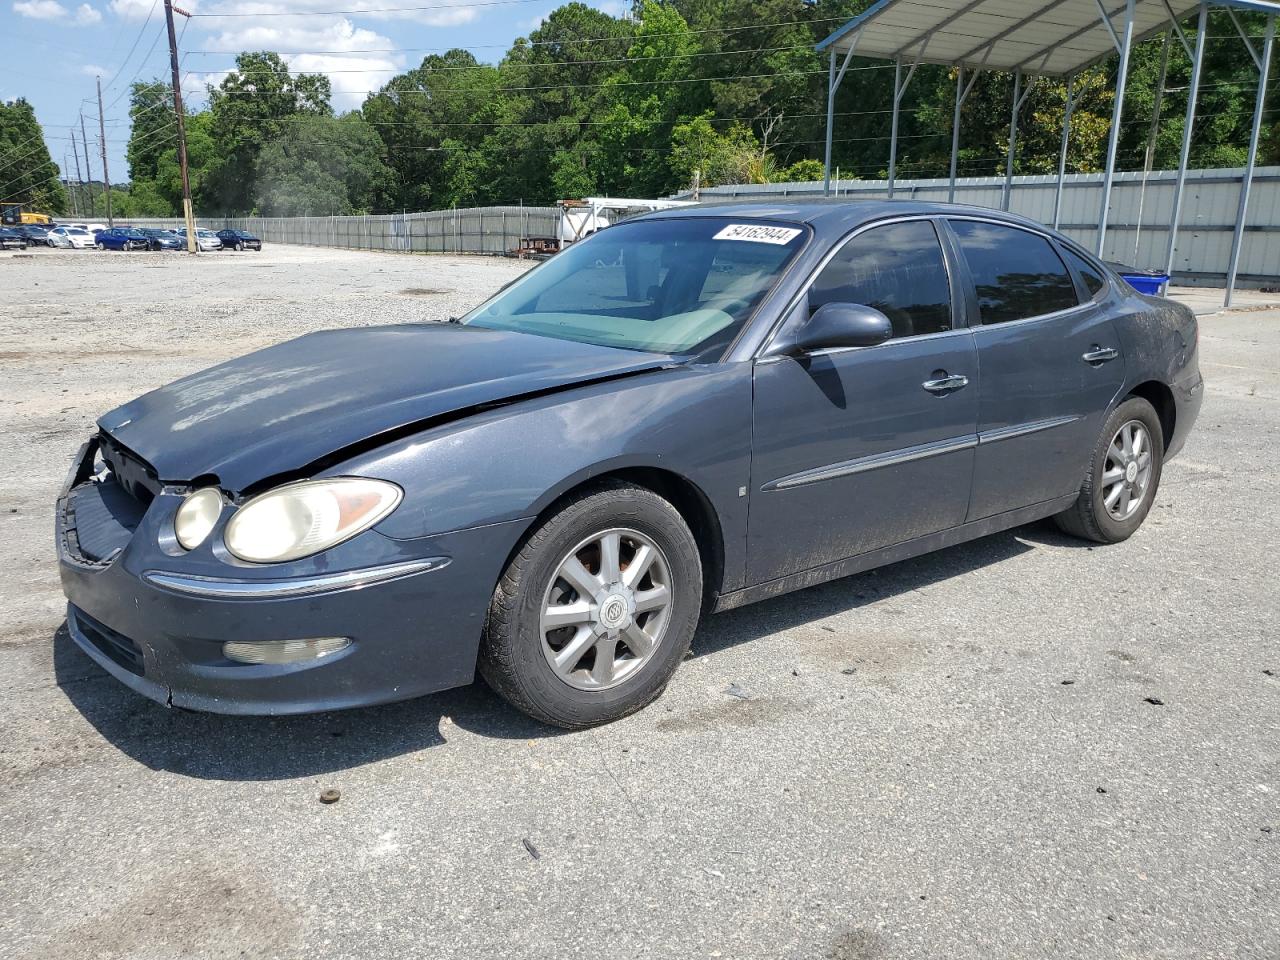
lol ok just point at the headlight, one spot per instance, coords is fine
(300, 519)
(197, 516)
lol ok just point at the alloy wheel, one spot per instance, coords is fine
(1126, 475)
(607, 609)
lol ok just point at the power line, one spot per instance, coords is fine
(136, 41)
(559, 63)
(628, 38)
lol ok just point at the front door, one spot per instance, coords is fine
(1051, 366)
(857, 449)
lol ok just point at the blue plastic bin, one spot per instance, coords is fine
(1150, 282)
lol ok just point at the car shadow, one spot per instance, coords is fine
(897, 579)
(218, 747)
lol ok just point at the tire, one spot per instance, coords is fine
(240, 248)
(100, 246)
(515, 654)
(1092, 517)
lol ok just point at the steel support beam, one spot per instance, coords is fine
(834, 80)
(1019, 98)
(1197, 60)
(893, 126)
(1013, 140)
(955, 131)
(1068, 109)
(1264, 74)
(1117, 113)
(831, 116)
(900, 85)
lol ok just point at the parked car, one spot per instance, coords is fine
(70, 237)
(159, 239)
(36, 234)
(11, 239)
(692, 410)
(239, 240)
(205, 239)
(91, 228)
(121, 238)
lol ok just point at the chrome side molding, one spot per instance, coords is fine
(225, 588)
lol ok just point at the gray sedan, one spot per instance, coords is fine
(685, 413)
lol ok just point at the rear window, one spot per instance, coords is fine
(1015, 272)
(1091, 275)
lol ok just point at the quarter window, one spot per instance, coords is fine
(1016, 272)
(1090, 274)
(899, 270)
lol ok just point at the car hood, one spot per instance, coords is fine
(284, 408)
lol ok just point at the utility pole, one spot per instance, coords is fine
(75, 153)
(66, 178)
(88, 170)
(102, 139)
(187, 212)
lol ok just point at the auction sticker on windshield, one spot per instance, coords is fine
(758, 233)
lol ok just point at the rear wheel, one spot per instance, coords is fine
(1123, 476)
(100, 245)
(596, 609)
(240, 247)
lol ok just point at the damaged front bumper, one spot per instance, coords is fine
(157, 619)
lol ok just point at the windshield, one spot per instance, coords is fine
(78, 233)
(667, 286)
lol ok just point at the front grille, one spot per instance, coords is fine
(118, 648)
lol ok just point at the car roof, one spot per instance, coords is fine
(829, 214)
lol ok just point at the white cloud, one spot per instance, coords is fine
(87, 15)
(337, 49)
(614, 8)
(349, 89)
(449, 13)
(40, 9)
(140, 9)
(93, 70)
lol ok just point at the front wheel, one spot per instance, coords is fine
(1124, 474)
(596, 609)
(240, 248)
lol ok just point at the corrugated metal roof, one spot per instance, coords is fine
(1053, 37)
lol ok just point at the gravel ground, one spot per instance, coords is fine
(959, 756)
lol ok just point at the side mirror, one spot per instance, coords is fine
(841, 325)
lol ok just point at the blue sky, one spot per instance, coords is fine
(55, 49)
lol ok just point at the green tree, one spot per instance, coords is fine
(320, 165)
(28, 174)
(249, 109)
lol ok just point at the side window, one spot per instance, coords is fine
(1092, 277)
(1016, 272)
(899, 270)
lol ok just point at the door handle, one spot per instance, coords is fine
(1099, 354)
(946, 384)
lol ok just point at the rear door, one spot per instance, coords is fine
(860, 448)
(1050, 361)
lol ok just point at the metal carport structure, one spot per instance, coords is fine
(1042, 38)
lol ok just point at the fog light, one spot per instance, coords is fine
(283, 651)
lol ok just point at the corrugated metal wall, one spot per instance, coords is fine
(493, 230)
(1137, 232)
(1137, 229)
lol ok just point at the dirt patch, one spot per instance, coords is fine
(856, 945)
(202, 908)
(422, 292)
(733, 712)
